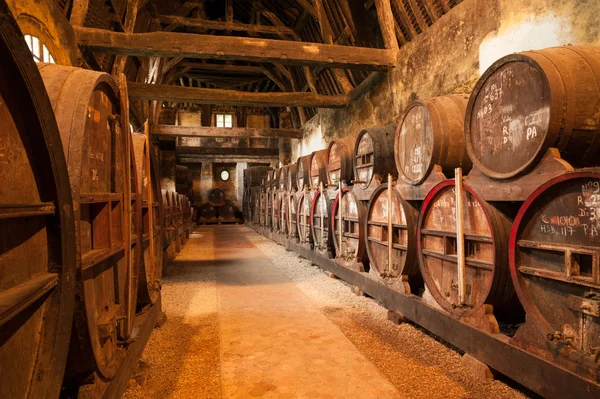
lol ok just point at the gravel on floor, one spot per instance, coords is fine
(416, 363)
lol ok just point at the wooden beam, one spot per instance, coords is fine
(168, 44)
(308, 7)
(242, 69)
(387, 24)
(193, 131)
(243, 151)
(226, 159)
(142, 91)
(224, 26)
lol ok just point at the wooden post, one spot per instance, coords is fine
(460, 239)
(150, 194)
(387, 24)
(306, 194)
(390, 226)
(322, 198)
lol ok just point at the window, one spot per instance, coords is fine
(224, 175)
(38, 49)
(224, 120)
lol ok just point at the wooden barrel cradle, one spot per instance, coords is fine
(320, 225)
(304, 205)
(350, 250)
(404, 268)
(303, 172)
(152, 220)
(318, 169)
(431, 132)
(216, 197)
(340, 160)
(374, 156)
(526, 103)
(486, 233)
(554, 255)
(87, 109)
(37, 230)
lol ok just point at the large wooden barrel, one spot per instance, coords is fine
(340, 160)
(269, 205)
(374, 156)
(207, 213)
(167, 217)
(226, 212)
(291, 179)
(292, 220)
(216, 197)
(255, 175)
(37, 230)
(304, 205)
(486, 233)
(88, 113)
(262, 219)
(283, 175)
(175, 210)
(255, 205)
(280, 210)
(320, 225)
(553, 253)
(303, 172)
(351, 249)
(182, 175)
(431, 132)
(403, 223)
(318, 169)
(528, 102)
(275, 221)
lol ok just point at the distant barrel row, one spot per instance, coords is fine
(521, 231)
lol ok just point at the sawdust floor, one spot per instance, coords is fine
(248, 319)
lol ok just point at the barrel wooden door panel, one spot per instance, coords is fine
(554, 259)
(303, 172)
(318, 169)
(399, 266)
(349, 236)
(152, 220)
(340, 161)
(528, 102)
(292, 210)
(87, 110)
(303, 218)
(37, 230)
(486, 231)
(374, 156)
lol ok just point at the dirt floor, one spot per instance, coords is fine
(246, 318)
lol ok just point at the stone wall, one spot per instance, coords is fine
(451, 55)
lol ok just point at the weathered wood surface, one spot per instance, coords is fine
(199, 95)
(168, 44)
(221, 25)
(374, 157)
(387, 24)
(189, 159)
(350, 250)
(553, 262)
(234, 151)
(320, 224)
(340, 161)
(197, 131)
(37, 229)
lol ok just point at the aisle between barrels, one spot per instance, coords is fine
(248, 319)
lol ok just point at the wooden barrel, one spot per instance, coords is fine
(340, 160)
(262, 219)
(352, 249)
(226, 212)
(276, 178)
(275, 221)
(486, 233)
(207, 213)
(292, 220)
(182, 175)
(255, 175)
(88, 114)
(303, 172)
(320, 225)
(303, 217)
(528, 102)
(37, 230)
(168, 218)
(280, 211)
(283, 175)
(269, 205)
(553, 254)
(404, 217)
(216, 197)
(255, 205)
(318, 169)
(292, 181)
(175, 209)
(431, 132)
(374, 156)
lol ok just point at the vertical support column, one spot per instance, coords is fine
(460, 237)
(390, 226)
(387, 24)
